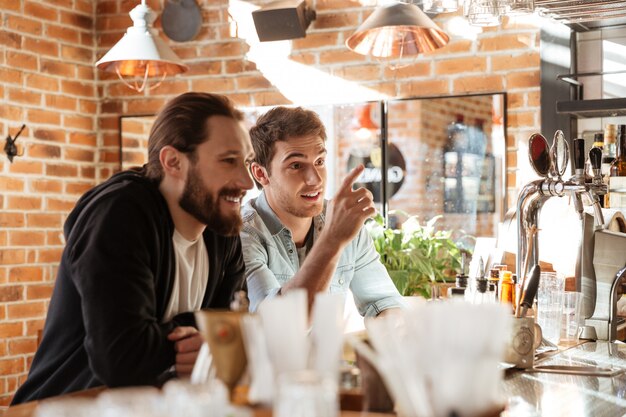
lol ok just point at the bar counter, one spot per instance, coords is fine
(527, 393)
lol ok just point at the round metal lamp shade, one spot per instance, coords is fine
(395, 31)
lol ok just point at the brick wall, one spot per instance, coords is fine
(47, 80)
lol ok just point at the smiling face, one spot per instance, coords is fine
(295, 183)
(218, 177)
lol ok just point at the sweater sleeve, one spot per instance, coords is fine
(114, 251)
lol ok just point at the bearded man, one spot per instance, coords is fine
(146, 249)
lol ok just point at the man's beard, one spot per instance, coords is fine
(197, 201)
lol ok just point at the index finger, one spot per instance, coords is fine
(352, 176)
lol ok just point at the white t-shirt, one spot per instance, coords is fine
(192, 273)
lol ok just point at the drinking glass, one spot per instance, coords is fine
(550, 305)
(572, 305)
(306, 394)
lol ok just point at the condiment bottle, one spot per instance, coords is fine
(506, 287)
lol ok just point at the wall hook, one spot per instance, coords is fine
(10, 148)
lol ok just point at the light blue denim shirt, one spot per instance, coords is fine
(272, 259)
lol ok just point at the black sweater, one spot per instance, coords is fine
(114, 282)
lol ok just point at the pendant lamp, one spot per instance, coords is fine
(141, 53)
(397, 30)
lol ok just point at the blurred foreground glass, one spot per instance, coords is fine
(306, 394)
(486, 12)
(550, 305)
(572, 305)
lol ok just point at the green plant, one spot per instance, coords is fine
(416, 255)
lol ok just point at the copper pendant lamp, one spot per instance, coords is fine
(141, 52)
(397, 30)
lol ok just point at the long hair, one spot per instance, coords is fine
(182, 124)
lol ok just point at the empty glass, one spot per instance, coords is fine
(306, 394)
(550, 305)
(572, 305)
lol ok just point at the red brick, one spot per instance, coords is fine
(78, 88)
(40, 11)
(10, 330)
(10, 39)
(10, 76)
(31, 309)
(89, 107)
(62, 33)
(47, 117)
(78, 188)
(46, 186)
(11, 184)
(41, 47)
(336, 20)
(316, 40)
(367, 72)
(12, 113)
(478, 83)
(51, 135)
(12, 256)
(44, 220)
(426, 88)
(26, 97)
(78, 122)
(10, 5)
(339, 55)
(514, 62)
(86, 73)
(523, 79)
(61, 170)
(20, 166)
(461, 65)
(26, 238)
(55, 204)
(144, 106)
(220, 50)
(37, 150)
(42, 82)
(50, 255)
(23, 24)
(39, 291)
(11, 220)
(506, 41)
(24, 203)
(89, 139)
(58, 68)
(61, 102)
(55, 238)
(11, 293)
(417, 69)
(213, 84)
(83, 155)
(22, 345)
(253, 83)
(73, 53)
(205, 68)
(238, 65)
(78, 20)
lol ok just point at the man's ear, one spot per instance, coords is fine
(173, 162)
(259, 173)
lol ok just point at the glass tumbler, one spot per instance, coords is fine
(306, 394)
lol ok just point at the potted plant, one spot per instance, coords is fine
(416, 255)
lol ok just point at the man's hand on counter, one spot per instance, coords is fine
(187, 343)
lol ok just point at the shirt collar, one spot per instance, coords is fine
(271, 220)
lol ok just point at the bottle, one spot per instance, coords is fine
(617, 180)
(460, 286)
(608, 156)
(506, 287)
(598, 140)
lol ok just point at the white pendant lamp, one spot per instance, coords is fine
(141, 53)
